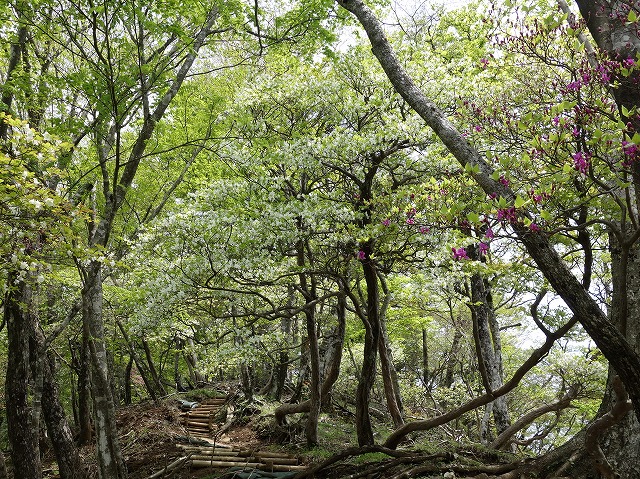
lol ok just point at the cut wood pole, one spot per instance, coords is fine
(254, 465)
(237, 452)
(177, 464)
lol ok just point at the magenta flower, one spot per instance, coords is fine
(632, 152)
(361, 255)
(574, 86)
(507, 214)
(581, 162)
(411, 221)
(489, 234)
(484, 62)
(386, 222)
(483, 247)
(534, 227)
(628, 63)
(459, 253)
(504, 181)
(424, 229)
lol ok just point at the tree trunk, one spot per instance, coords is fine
(331, 371)
(364, 429)
(452, 358)
(426, 380)
(309, 292)
(152, 369)
(85, 428)
(23, 438)
(387, 368)
(390, 386)
(110, 462)
(139, 364)
(70, 464)
(489, 359)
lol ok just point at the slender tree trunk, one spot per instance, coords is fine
(85, 428)
(426, 380)
(364, 428)
(390, 380)
(23, 438)
(139, 364)
(127, 381)
(110, 461)
(309, 293)
(152, 369)
(489, 359)
(192, 362)
(387, 369)
(334, 352)
(283, 361)
(70, 464)
(452, 358)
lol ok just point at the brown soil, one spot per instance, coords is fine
(148, 435)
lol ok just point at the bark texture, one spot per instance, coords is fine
(23, 437)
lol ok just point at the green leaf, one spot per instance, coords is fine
(473, 217)
(520, 202)
(632, 17)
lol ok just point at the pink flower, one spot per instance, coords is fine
(484, 62)
(411, 221)
(424, 229)
(459, 253)
(386, 222)
(483, 247)
(361, 255)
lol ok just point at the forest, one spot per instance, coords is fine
(389, 239)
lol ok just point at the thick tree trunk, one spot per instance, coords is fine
(23, 437)
(110, 462)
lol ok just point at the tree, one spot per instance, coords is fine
(620, 353)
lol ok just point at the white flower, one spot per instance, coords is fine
(49, 202)
(37, 205)
(40, 278)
